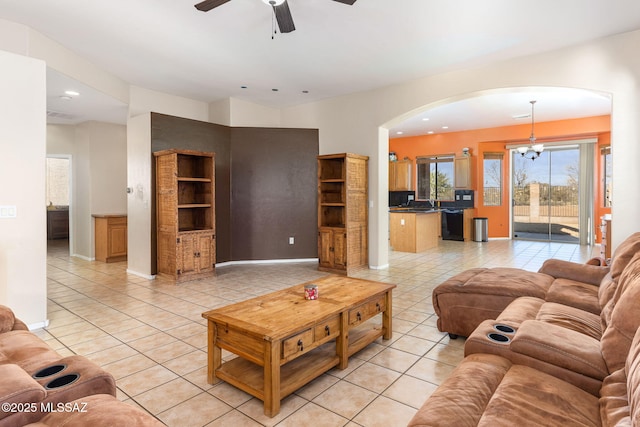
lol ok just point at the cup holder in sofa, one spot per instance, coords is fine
(505, 329)
(62, 381)
(499, 338)
(48, 371)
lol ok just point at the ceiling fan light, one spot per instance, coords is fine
(273, 2)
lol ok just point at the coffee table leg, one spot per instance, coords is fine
(272, 379)
(342, 342)
(386, 317)
(214, 354)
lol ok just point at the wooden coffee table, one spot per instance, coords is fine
(284, 341)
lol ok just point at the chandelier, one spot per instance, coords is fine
(534, 150)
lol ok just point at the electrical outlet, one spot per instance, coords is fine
(291, 240)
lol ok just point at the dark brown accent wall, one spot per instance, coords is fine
(265, 186)
(274, 193)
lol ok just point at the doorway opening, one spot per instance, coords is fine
(550, 195)
(58, 199)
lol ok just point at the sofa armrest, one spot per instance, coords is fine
(585, 273)
(17, 387)
(7, 319)
(560, 347)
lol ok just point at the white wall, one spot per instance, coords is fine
(138, 202)
(23, 242)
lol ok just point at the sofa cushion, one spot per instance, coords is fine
(623, 254)
(575, 294)
(632, 371)
(463, 396)
(530, 397)
(26, 350)
(586, 273)
(465, 300)
(17, 387)
(99, 411)
(625, 317)
(571, 318)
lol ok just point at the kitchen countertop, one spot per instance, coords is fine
(414, 210)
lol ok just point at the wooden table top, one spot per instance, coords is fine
(278, 314)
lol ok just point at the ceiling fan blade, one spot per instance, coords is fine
(284, 18)
(207, 5)
(349, 2)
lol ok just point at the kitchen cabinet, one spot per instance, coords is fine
(342, 212)
(463, 174)
(110, 237)
(57, 224)
(400, 175)
(414, 231)
(185, 214)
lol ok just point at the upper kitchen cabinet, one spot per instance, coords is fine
(400, 175)
(463, 172)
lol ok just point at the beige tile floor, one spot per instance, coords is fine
(150, 335)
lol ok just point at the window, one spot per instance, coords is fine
(492, 179)
(57, 181)
(435, 177)
(605, 154)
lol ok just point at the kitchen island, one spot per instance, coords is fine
(414, 230)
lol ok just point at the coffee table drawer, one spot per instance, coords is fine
(367, 310)
(297, 343)
(327, 330)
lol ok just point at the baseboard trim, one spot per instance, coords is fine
(144, 276)
(379, 267)
(38, 325)
(267, 261)
(86, 258)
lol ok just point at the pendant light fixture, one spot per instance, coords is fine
(534, 150)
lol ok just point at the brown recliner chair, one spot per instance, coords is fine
(34, 374)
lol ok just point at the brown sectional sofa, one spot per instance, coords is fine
(35, 380)
(466, 299)
(568, 358)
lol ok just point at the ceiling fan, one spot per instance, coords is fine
(280, 10)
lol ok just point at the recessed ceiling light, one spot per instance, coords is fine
(305, 91)
(66, 98)
(430, 132)
(445, 127)
(399, 132)
(243, 87)
(426, 119)
(71, 93)
(274, 89)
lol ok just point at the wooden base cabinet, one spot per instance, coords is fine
(342, 212)
(185, 214)
(110, 238)
(196, 254)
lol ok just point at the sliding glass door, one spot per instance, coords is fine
(546, 195)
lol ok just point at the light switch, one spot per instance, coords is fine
(8, 212)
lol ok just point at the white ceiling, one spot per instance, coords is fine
(169, 46)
